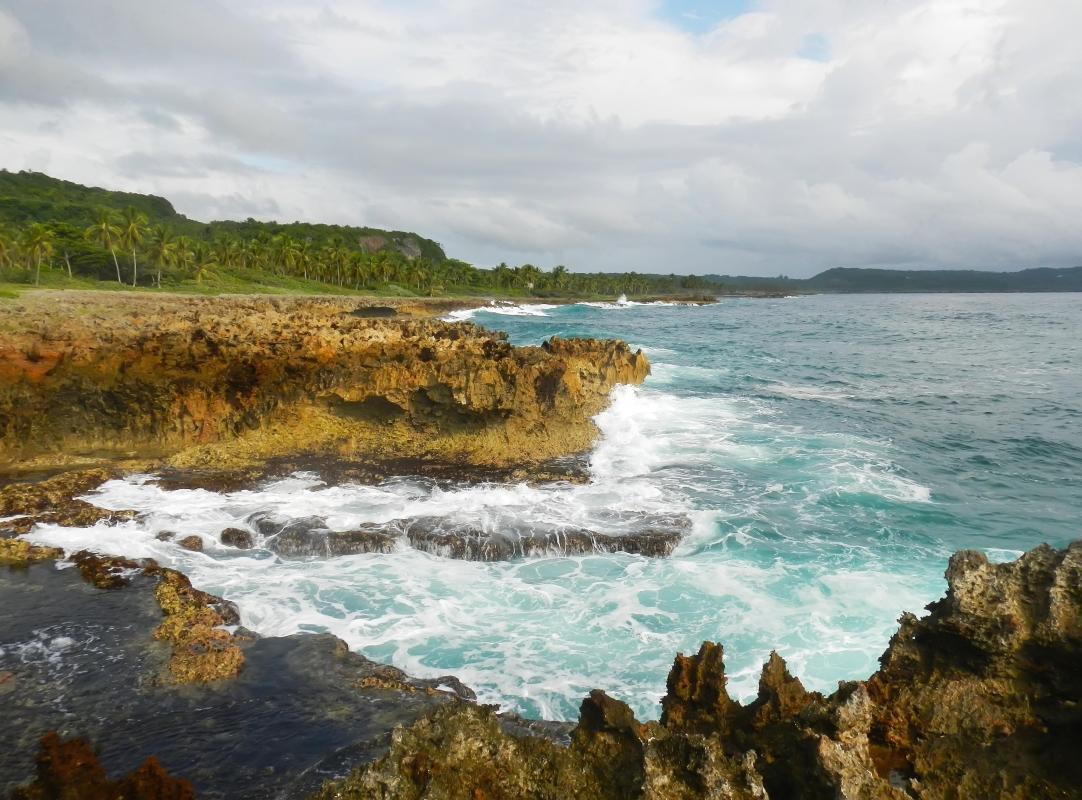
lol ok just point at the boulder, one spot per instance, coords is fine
(193, 543)
(237, 537)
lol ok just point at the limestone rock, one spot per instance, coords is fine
(19, 553)
(981, 699)
(235, 382)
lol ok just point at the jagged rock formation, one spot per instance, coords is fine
(981, 699)
(233, 382)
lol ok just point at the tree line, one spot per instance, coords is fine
(125, 247)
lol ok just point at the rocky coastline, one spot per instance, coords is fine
(231, 386)
(977, 699)
(118, 678)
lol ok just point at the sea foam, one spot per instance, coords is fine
(536, 634)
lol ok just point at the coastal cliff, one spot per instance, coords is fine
(232, 383)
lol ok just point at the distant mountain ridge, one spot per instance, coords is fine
(845, 280)
(27, 197)
(1043, 279)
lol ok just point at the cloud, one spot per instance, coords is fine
(788, 136)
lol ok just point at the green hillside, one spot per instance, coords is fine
(28, 197)
(58, 233)
(55, 232)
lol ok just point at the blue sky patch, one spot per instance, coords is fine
(701, 16)
(815, 47)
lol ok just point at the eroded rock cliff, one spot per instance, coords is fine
(229, 383)
(980, 699)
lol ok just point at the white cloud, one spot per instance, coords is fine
(925, 132)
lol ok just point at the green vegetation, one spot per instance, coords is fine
(58, 233)
(61, 234)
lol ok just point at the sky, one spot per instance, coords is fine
(758, 137)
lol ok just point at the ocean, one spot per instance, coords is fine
(831, 451)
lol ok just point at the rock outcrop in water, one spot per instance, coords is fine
(230, 383)
(80, 653)
(981, 699)
(309, 537)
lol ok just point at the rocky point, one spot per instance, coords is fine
(230, 384)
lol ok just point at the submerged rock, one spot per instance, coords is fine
(309, 537)
(19, 553)
(202, 650)
(88, 662)
(451, 539)
(53, 502)
(52, 494)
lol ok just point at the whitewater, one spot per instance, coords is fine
(830, 452)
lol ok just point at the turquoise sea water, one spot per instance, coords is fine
(831, 450)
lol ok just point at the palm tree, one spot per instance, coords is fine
(163, 249)
(359, 267)
(503, 275)
(305, 255)
(286, 253)
(527, 276)
(433, 276)
(559, 276)
(383, 266)
(184, 254)
(131, 234)
(38, 244)
(105, 233)
(8, 249)
(227, 251)
(203, 263)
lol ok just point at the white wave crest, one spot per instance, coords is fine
(502, 308)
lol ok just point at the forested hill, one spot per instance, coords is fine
(1068, 279)
(57, 233)
(28, 197)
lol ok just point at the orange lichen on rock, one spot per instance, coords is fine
(71, 771)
